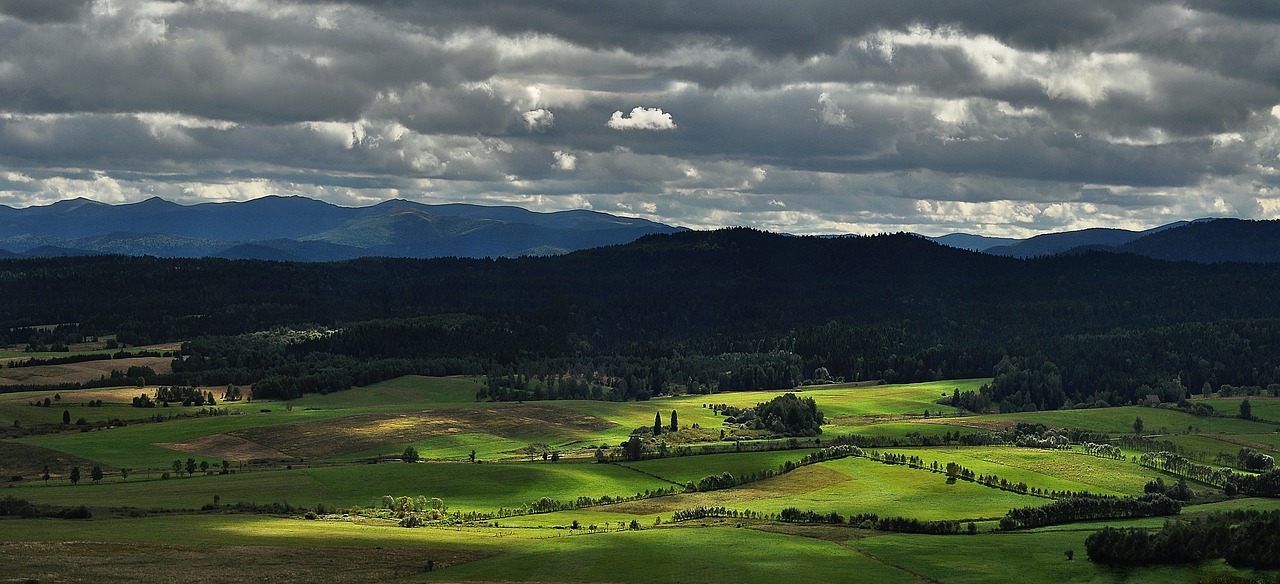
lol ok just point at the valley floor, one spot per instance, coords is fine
(299, 498)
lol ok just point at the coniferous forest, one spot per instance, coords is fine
(692, 312)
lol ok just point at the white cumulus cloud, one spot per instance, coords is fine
(642, 118)
(831, 113)
(539, 120)
(565, 160)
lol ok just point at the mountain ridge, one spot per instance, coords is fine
(295, 228)
(303, 229)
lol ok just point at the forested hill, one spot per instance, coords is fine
(672, 312)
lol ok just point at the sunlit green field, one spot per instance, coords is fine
(465, 487)
(1046, 469)
(692, 468)
(316, 450)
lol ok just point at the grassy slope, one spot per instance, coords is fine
(466, 487)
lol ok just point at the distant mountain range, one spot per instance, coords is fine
(302, 229)
(1202, 240)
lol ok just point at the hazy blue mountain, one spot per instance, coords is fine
(298, 228)
(1056, 243)
(973, 242)
(49, 251)
(1218, 240)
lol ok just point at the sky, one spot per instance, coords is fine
(825, 116)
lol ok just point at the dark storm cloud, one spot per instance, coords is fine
(812, 116)
(773, 28)
(44, 10)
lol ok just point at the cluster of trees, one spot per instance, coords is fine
(1103, 450)
(1038, 436)
(1245, 538)
(188, 396)
(1090, 508)
(1252, 460)
(1179, 491)
(1266, 484)
(40, 339)
(785, 415)
(28, 510)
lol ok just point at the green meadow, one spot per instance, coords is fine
(341, 451)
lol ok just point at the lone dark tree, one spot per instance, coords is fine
(657, 423)
(96, 473)
(1137, 425)
(675, 426)
(191, 466)
(66, 416)
(75, 474)
(473, 455)
(1246, 410)
(177, 466)
(410, 454)
(45, 476)
(124, 474)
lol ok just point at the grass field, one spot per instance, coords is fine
(464, 487)
(1119, 421)
(850, 486)
(1265, 407)
(326, 438)
(691, 468)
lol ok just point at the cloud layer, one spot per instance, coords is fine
(807, 117)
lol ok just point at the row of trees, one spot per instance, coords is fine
(1090, 508)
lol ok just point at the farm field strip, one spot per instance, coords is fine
(850, 486)
(464, 487)
(1046, 469)
(1118, 421)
